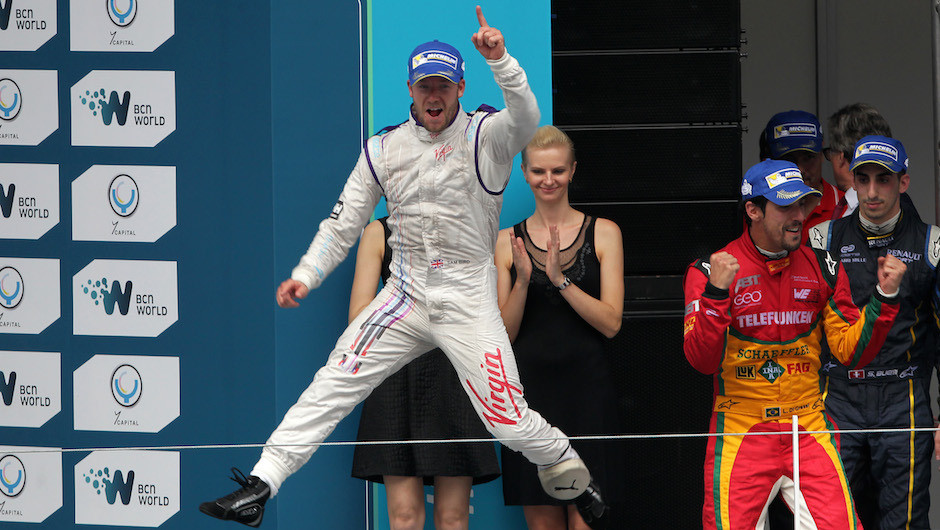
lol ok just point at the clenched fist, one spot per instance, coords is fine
(723, 268)
(890, 272)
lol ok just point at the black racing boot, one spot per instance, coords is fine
(244, 505)
(592, 507)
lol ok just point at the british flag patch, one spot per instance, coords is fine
(437, 264)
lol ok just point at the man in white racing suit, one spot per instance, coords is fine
(442, 173)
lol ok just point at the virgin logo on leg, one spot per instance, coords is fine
(501, 391)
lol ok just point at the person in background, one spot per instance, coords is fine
(422, 401)
(560, 291)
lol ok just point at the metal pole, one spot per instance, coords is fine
(935, 29)
(796, 472)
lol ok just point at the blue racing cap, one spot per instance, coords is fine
(793, 130)
(881, 150)
(778, 180)
(435, 58)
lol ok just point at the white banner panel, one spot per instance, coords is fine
(30, 484)
(29, 200)
(119, 25)
(30, 388)
(29, 106)
(25, 25)
(125, 298)
(29, 294)
(132, 488)
(123, 108)
(126, 393)
(124, 203)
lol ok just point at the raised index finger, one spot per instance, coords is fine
(480, 18)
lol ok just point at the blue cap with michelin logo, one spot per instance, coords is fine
(435, 58)
(881, 150)
(793, 130)
(778, 180)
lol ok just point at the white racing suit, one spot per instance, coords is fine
(444, 194)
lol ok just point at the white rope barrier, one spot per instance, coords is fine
(469, 440)
(796, 471)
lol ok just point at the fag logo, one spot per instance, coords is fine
(11, 99)
(12, 476)
(6, 200)
(99, 292)
(5, 14)
(7, 386)
(113, 106)
(122, 12)
(101, 480)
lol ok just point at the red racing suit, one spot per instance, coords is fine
(761, 339)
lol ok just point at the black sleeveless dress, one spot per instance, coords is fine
(422, 401)
(564, 371)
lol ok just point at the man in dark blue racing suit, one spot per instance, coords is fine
(893, 390)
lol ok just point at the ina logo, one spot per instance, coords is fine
(12, 476)
(122, 12)
(95, 101)
(123, 195)
(6, 199)
(126, 385)
(7, 386)
(5, 14)
(770, 370)
(11, 287)
(11, 99)
(101, 295)
(101, 480)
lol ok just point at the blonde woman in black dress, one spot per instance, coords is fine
(560, 287)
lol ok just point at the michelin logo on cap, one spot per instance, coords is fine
(780, 177)
(795, 129)
(440, 57)
(875, 147)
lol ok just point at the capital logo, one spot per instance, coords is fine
(7, 386)
(123, 195)
(101, 480)
(5, 14)
(12, 476)
(6, 199)
(770, 370)
(95, 101)
(11, 99)
(126, 385)
(11, 287)
(122, 12)
(99, 292)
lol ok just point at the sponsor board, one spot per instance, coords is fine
(29, 200)
(123, 108)
(29, 294)
(124, 203)
(25, 25)
(126, 393)
(30, 483)
(29, 105)
(30, 388)
(125, 298)
(127, 488)
(119, 25)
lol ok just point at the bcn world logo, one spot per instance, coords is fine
(101, 480)
(11, 287)
(5, 14)
(12, 476)
(7, 386)
(123, 195)
(11, 99)
(126, 385)
(122, 12)
(6, 200)
(99, 292)
(114, 106)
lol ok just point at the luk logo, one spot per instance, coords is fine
(122, 12)
(7, 386)
(5, 14)
(101, 480)
(6, 199)
(11, 99)
(12, 476)
(114, 105)
(109, 297)
(11, 287)
(126, 385)
(123, 195)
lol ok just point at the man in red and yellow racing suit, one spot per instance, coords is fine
(756, 314)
